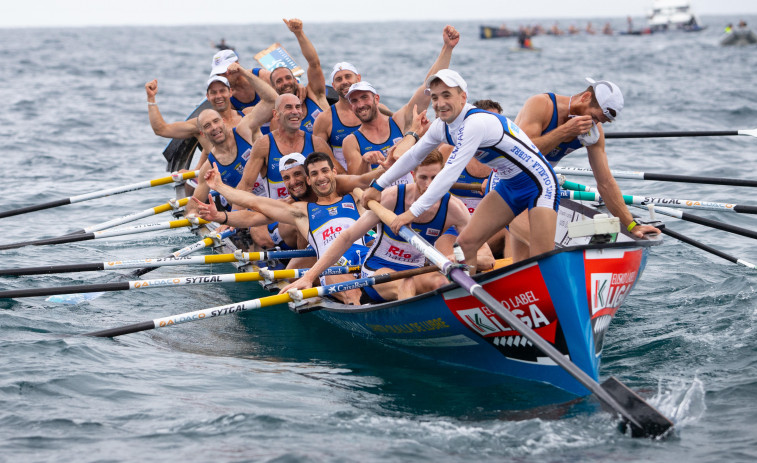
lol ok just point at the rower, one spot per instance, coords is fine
(367, 146)
(243, 95)
(321, 221)
(527, 181)
(561, 124)
(390, 252)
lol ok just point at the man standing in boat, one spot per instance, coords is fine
(526, 179)
(366, 147)
(561, 124)
(321, 221)
(390, 252)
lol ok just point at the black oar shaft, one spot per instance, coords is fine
(698, 244)
(45, 269)
(703, 180)
(36, 207)
(113, 332)
(120, 286)
(48, 241)
(710, 133)
(719, 225)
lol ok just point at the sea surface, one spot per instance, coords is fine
(270, 385)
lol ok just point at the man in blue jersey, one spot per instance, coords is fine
(561, 124)
(526, 179)
(367, 146)
(243, 95)
(321, 221)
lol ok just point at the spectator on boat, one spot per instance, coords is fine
(526, 179)
(607, 29)
(222, 45)
(590, 28)
(366, 147)
(339, 121)
(561, 124)
(729, 28)
(321, 221)
(555, 29)
(572, 30)
(218, 93)
(390, 252)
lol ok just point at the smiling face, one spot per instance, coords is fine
(219, 96)
(283, 81)
(364, 104)
(447, 101)
(321, 178)
(295, 181)
(343, 80)
(212, 126)
(288, 112)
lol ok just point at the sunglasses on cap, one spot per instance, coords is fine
(610, 113)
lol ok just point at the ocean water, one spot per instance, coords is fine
(270, 385)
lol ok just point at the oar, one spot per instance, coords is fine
(259, 303)
(704, 247)
(644, 420)
(171, 205)
(162, 261)
(148, 227)
(171, 282)
(660, 177)
(466, 186)
(174, 178)
(669, 202)
(691, 133)
(677, 214)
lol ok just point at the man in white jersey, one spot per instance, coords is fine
(527, 180)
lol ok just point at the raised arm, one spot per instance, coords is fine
(534, 117)
(316, 80)
(181, 129)
(256, 166)
(261, 112)
(404, 115)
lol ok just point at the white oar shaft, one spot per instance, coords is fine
(135, 186)
(171, 205)
(148, 227)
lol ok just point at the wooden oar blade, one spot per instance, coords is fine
(653, 423)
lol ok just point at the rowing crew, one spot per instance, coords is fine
(521, 177)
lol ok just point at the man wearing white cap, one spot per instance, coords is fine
(218, 94)
(368, 145)
(527, 181)
(561, 124)
(243, 95)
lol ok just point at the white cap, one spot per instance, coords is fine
(299, 160)
(450, 78)
(343, 66)
(608, 96)
(222, 60)
(361, 86)
(215, 78)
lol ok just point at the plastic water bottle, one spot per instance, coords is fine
(459, 255)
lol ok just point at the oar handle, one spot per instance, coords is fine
(710, 133)
(466, 186)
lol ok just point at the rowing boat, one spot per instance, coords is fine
(569, 296)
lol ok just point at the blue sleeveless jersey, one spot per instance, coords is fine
(564, 148)
(231, 173)
(239, 105)
(310, 110)
(395, 135)
(339, 132)
(392, 251)
(326, 222)
(469, 197)
(276, 188)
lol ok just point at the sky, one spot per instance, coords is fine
(50, 13)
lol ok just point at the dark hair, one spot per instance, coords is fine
(317, 156)
(488, 105)
(270, 76)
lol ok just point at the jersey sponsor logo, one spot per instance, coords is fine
(315, 113)
(433, 231)
(399, 253)
(282, 192)
(246, 154)
(333, 211)
(396, 140)
(239, 167)
(348, 206)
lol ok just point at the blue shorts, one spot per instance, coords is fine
(521, 193)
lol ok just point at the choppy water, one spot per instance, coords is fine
(273, 386)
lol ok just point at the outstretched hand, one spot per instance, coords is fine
(208, 211)
(213, 177)
(451, 36)
(294, 25)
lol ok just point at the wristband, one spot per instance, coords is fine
(631, 225)
(225, 218)
(152, 103)
(374, 184)
(415, 135)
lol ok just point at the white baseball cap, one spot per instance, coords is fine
(299, 160)
(361, 86)
(343, 66)
(450, 78)
(215, 78)
(608, 96)
(222, 60)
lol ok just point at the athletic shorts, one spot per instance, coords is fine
(521, 193)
